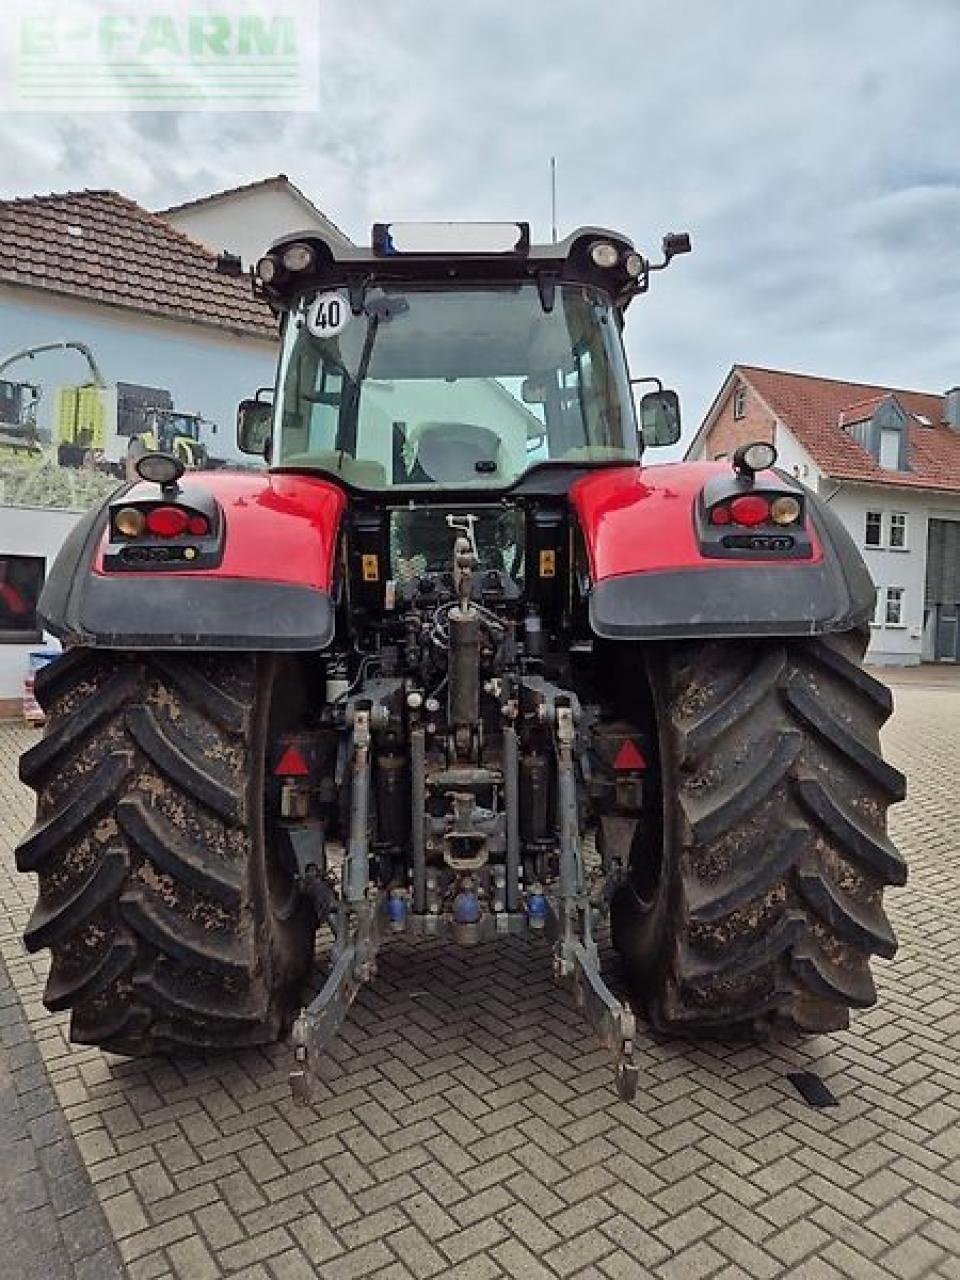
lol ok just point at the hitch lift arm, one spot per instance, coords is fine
(362, 918)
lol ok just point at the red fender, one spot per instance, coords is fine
(278, 528)
(641, 519)
(272, 587)
(650, 580)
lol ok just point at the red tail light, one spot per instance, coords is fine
(199, 526)
(167, 522)
(750, 509)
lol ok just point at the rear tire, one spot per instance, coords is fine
(775, 854)
(169, 923)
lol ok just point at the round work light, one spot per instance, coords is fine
(159, 468)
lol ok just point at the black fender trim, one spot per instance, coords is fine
(757, 599)
(196, 613)
(167, 611)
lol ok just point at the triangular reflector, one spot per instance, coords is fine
(629, 756)
(291, 764)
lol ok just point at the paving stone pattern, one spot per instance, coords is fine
(467, 1126)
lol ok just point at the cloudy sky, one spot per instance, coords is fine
(809, 146)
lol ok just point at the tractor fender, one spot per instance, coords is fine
(648, 578)
(271, 590)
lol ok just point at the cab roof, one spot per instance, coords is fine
(338, 260)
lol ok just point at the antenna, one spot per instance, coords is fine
(553, 198)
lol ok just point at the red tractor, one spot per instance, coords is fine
(458, 663)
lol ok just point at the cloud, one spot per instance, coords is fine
(809, 147)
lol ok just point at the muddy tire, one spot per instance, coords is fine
(169, 923)
(765, 902)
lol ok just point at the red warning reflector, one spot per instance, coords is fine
(629, 756)
(291, 764)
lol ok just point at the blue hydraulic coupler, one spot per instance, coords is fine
(397, 911)
(466, 907)
(536, 908)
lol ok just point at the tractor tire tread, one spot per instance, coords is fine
(152, 893)
(773, 901)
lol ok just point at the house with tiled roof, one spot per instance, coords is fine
(145, 298)
(888, 462)
(246, 219)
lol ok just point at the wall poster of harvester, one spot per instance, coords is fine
(94, 432)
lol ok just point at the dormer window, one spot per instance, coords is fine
(882, 433)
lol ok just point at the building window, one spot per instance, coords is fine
(889, 455)
(739, 402)
(893, 614)
(873, 533)
(21, 578)
(898, 530)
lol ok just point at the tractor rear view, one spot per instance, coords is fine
(457, 637)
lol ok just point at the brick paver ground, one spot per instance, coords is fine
(468, 1128)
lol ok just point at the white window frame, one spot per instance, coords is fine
(873, 546)
(893, 546)
(740, 402)
(879, 604)
(902, 594)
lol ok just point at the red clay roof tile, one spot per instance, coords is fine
(101, 246)
(810, 408)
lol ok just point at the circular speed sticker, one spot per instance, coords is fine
(328, 314)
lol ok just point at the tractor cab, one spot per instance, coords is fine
(18, 422)
(454, 357)
(179, 434)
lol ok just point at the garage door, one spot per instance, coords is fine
(943, 586)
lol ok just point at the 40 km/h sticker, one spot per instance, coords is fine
(328, 314)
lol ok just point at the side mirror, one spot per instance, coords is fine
(254, 425)
(660, 418)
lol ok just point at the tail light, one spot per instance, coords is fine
(177, 533)
(735, 521)
(167, 522)
(751, 509)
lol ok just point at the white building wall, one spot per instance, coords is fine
(247, 222)
(889, 567)
(794, 459)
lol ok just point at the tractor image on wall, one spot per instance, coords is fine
(97, 424)
(457, 637)
(103, 426)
